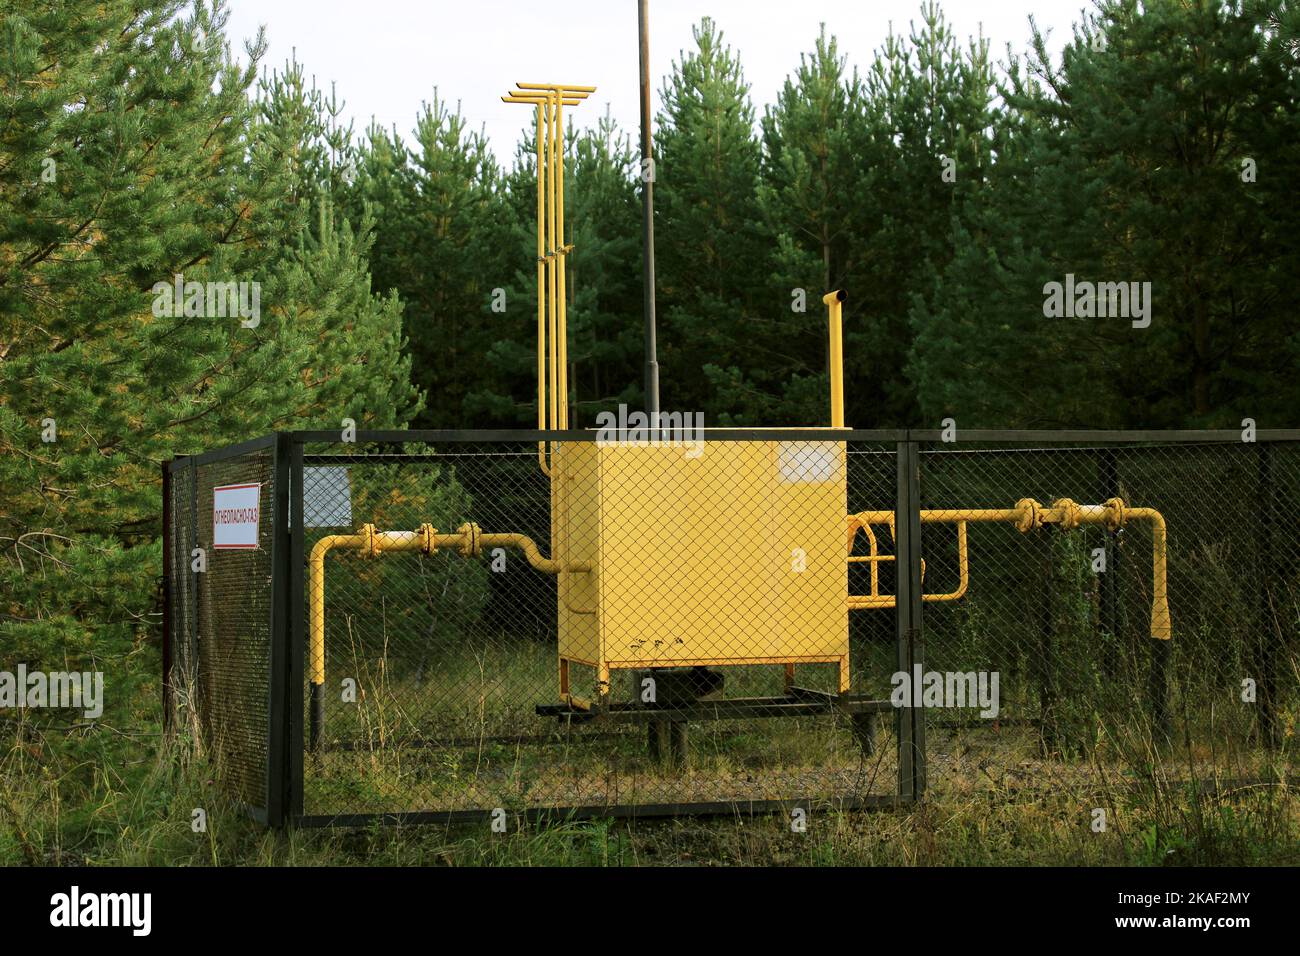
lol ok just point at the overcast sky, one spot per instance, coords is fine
(386, 56)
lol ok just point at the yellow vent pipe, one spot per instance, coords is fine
(549, 99)
(834, 304)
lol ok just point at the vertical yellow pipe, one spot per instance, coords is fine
(1161, 625)
(562, 251)
(541, 291)
(552, 104)
(833, 301)
(554, 305)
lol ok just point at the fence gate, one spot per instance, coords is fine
(225, 552)
(545, 624)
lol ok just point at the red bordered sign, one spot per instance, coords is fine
(236, 515)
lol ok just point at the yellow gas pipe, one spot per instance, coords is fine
(468, 541)
(834, 304)
(549, 99)
(1026, 515)
(552, 282)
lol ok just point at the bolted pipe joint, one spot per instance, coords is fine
(1070, 515)
(471, 540)
(1115, 514)
(1029, 515)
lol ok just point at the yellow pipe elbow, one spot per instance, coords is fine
(1161, 624)
(316, 599)
(963, 565)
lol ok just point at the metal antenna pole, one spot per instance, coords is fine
(648, 220)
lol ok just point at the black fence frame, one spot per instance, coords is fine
(272, 809)
(286, 744)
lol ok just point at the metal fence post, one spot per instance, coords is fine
(910, 721)
(194, 575)
(167, 696)
(1268, 639)
(276, 775)
(295, 634)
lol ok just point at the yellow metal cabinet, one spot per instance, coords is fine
(730, 552)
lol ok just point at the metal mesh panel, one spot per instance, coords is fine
(1124, 623)
(646, 626)
(221, 624)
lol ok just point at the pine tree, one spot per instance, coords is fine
(131, 153)
(450, 258)
(808, 162)
(923, 149)
(605, 290)
(1159, 151)
(713, 250)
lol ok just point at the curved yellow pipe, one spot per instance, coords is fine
(468, 541)
(1162, 628)
(873, 557)
(875, 599)
(1029, 514)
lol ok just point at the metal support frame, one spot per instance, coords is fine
(802, 703)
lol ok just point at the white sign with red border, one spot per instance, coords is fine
(236, 512)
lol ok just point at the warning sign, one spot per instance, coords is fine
(236, 510)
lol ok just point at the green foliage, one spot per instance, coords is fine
(1158, 150)
(133, 150)
(442, 244)
(712, 242)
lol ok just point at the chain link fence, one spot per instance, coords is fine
(466, 625)
(1140, 605)
(503, 625)
(221, 629)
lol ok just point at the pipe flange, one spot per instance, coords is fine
(1115, 514)
(1071, 513)
(428, 539)
(370, 542)
(1031, 515)
(471, 544)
